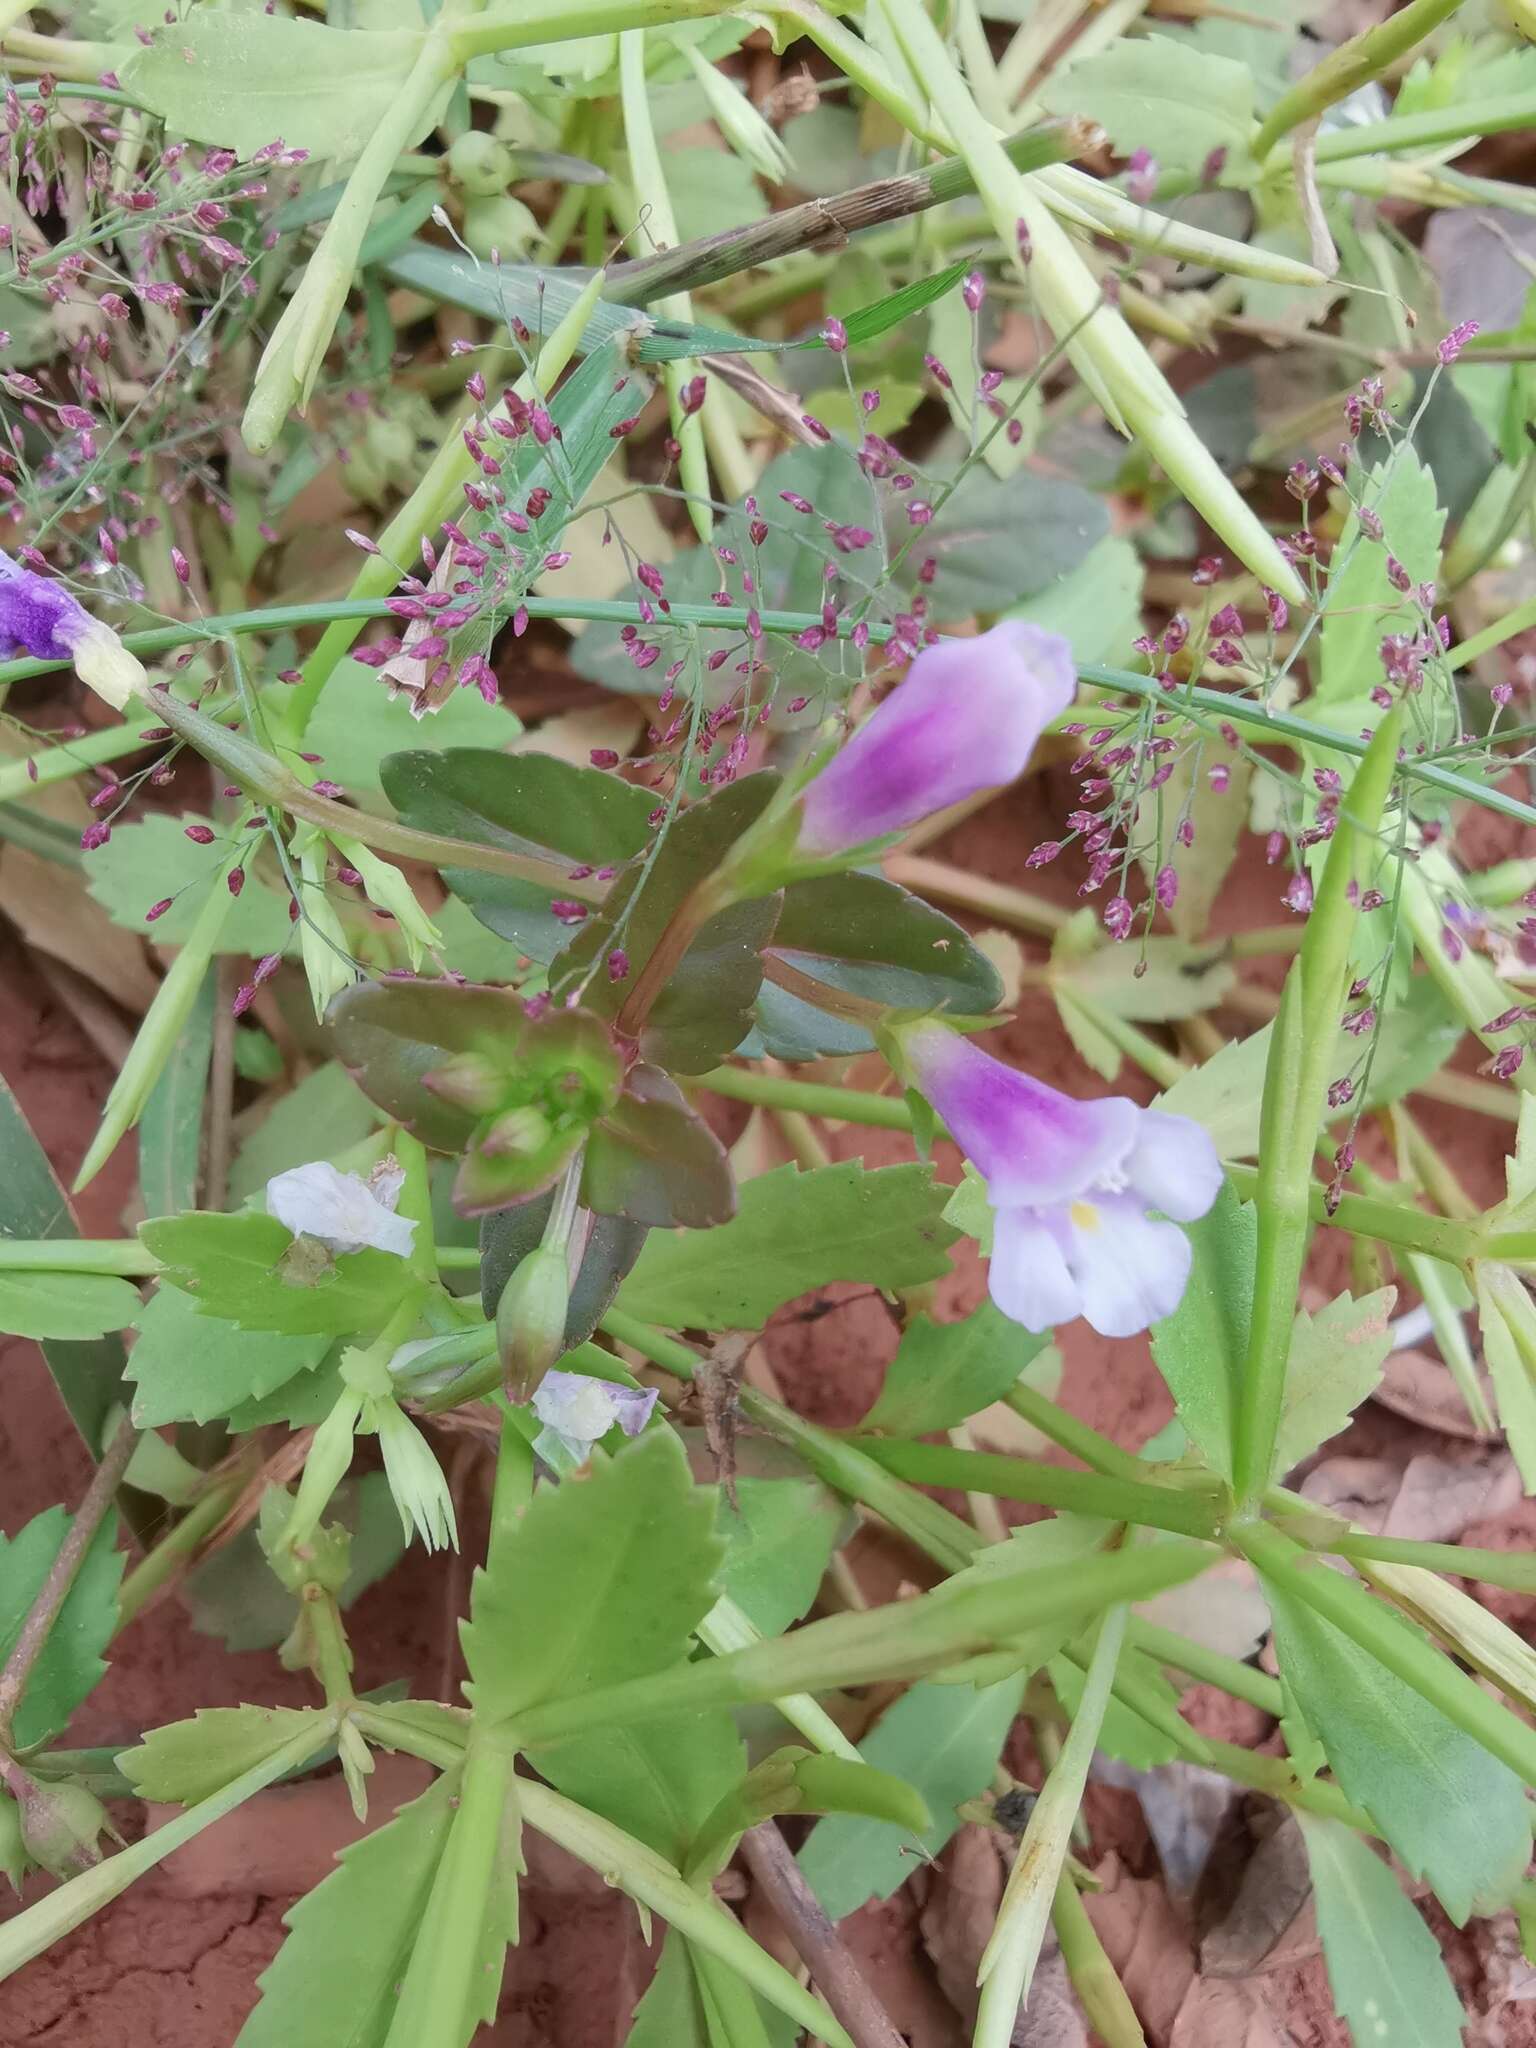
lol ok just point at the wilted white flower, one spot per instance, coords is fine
(577, 1412)
(345, 1212)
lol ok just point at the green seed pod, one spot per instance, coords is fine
(61, 1826)
(530, 1321)
(481, 164)
(500, 223)
(14, 1860)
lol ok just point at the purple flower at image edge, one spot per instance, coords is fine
(1073, 1187)
(965, 719)
(40, 618)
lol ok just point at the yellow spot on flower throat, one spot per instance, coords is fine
(1085, 1216)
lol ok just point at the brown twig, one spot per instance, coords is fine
(816, 1941)
(54, 1590)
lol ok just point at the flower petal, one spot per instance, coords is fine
(1130, 1270)
(337, 1208)
(1032, 1144)
(1174, 1166)
(1028, 1276)
(965, 719)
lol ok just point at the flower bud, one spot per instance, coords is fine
(738, 120)
(965, 719)
(480, 163)
(61, 1826)
(530, 1320)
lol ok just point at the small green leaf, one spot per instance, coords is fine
(243, 79)
(1335, 1361)
(670, 2014)
(1201, 1348)
(658, 1780)
(1454, 1814)
(148, 861)
(358, 727)
(323, 1117)
(595, 1582)
(705, 1007)
(171, 1128)
(1124, 1733)
(998, 542)
(72, 1658)
(336, 1979)
(70, 1306)
(864, 936)
(944, 1373)
(234, 1266)
(779, 1538)
(654, 1160)
(190, 1367)
(191, 1760)
(1384, 1966)
(1148, 90)
(531, 804)
(1363, 603)
(794, 1232)
(943, 1741)
(1153, 981)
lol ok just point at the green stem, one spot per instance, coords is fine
(1468, 122)
(812, 1098)
(161, 1564)
(1295, 1093)
(1069, 1434)
(548, 21)
(1515, 1569)
(1208, 1667)
(1051, 1486)
(1520, 620)
(442, 1995)
(73, 1903)
(1379, 1631)
(1352, 65)
(1103, 1997)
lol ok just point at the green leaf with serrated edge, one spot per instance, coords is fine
(670, 2014)
(654, 1160)
(794, 1232)
(509, 1235)
(171, 1128)
(72, 1659)
(234, 1594)
(302, 1402)
(1036, 1548)
(32, 1204)
(190, 1367)
(1335, 1361)
(863, 935)
(336, 1979)
(144, 863)
(944, 1373)
(233, 1266)
(242, 79)
(706, 1004)
(1124, 1733)
(1454, 1814)
(658, 1780)
(358, 727)
(70, 1306)
(594, 1583)
(1363, 605)
(1384, 1966)
(1201, 1348)
(324, 1116)
(191, 1760)
(944, 1741)
(779, 1538)
(1178, 102)
(532, 804)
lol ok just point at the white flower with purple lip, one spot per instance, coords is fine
(1072, 1186)
(578, 1412)
(39, 617)
(965, 719)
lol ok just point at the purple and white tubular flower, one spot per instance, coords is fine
(1072, 1187)
(966, 718)
(577, 1412)
(39, 617)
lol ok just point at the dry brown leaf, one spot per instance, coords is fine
(54, 915)
(718, 1382)
(1148, 1944)
(574, 735)
(1431, 1499)
(1225, 1611)
(1185, 1807)
(1419, 1387)
(1231, 2012)
(1269, 1925)
(964, 1892)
